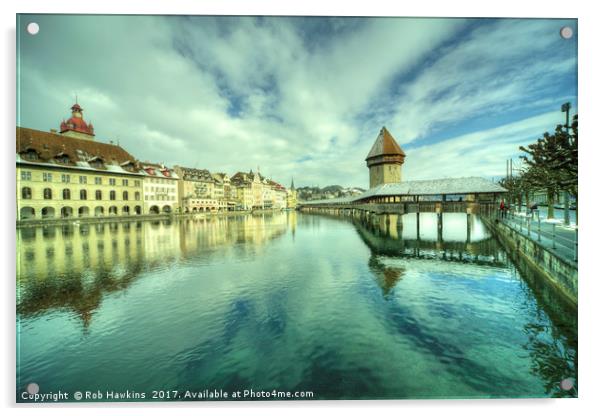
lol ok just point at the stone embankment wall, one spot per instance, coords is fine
(558, 272)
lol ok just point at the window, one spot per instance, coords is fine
(83, 179)
(65, 178)
(47, 177)
(96, 164)
(98, 180)
(112, 181)
(30, 154)
(125, 195)
(26, 192)
(83, 194)
(98, 195)
(112, 195)
(47, 193)
(146, 197)
(25, 175)
(124, 182)
(137, 196)
(136, 183)
(66, 194)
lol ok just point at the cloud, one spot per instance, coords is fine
(302, 97)
(476, 154)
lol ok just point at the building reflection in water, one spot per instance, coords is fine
(74, 267)
(464, 246)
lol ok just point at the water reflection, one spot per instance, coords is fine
(289, 301)
(73, 267)
(418, 242)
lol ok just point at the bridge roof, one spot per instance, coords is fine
(447, 186)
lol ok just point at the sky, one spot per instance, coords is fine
(302, 97)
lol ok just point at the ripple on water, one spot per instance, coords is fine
(245, 302)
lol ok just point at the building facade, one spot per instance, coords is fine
(70, 174)
(251, 188)
(199, 191)
(279, 195)
(229, 193)
(160, 189)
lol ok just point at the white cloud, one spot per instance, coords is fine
(483, 153)
(237, 93)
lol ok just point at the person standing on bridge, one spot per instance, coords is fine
(503, 209)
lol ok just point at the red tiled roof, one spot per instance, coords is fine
(49, 146)
(77, 123)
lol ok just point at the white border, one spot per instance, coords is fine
(589, 204)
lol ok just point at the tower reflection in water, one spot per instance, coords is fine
(457, 244)
(75, 266)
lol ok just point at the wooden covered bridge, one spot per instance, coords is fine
(471, 195)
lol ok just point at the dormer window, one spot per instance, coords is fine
(129, 165)
(96, 162)
(62, 158)
(30, 154)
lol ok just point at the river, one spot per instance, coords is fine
(286, 301)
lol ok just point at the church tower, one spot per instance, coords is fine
(291, 196)
(385, 160)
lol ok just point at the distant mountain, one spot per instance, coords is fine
(308, 193)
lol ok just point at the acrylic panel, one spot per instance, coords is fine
(295, 208)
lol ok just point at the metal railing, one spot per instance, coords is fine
(559, 239)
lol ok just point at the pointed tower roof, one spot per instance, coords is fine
(385, 145)
(292, 183)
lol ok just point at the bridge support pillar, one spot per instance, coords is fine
(418, 226)
(468, 226)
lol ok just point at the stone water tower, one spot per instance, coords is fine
(385, 160)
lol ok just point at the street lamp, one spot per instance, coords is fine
(565, 108)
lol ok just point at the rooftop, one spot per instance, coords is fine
(40, 147)
(447, 186)
(385, 144)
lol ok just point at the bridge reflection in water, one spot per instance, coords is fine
(348, 309)
(457, 244)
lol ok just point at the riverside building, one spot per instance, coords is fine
(68, 173)
(160, 189)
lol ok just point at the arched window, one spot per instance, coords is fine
(83, 194)
(137, 196)
(112, 195)
(66, 194)
(125, 195)
(47, 193)
(98, 195)
(26, 192)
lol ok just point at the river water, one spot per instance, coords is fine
(286, 301)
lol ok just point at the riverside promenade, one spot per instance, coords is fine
(549, 248)
(551, 234)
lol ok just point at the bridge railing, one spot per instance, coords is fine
(562, 240)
